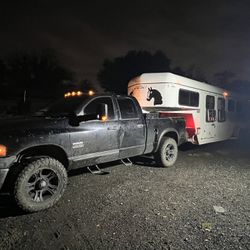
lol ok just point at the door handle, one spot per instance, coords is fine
(213, 125)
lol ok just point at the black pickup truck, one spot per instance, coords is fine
(36, 152)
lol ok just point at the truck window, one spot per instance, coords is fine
(92, 107)
(127, 108)
(231, 105)
(210, 110)
(221, 110)
(188, 98)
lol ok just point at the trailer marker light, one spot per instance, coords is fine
(225, 94)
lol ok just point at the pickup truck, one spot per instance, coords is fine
(36, 152)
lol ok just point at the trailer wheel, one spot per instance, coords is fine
(40, 184)
(167, 153)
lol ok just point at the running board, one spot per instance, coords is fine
(127, 162)
(96, 170)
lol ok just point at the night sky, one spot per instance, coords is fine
(213, 35)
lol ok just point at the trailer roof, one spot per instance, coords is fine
(168, 77)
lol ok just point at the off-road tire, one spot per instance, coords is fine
(46, 171)
(167, 152)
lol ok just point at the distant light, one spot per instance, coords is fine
(91, 92)
(67, 95)
(225, 94)
(73, 93)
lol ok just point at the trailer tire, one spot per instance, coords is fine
(40, 184)
(167, 152)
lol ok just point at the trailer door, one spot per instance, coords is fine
(209, 120)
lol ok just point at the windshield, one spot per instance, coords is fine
(65, 106)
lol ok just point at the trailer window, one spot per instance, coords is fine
(127, 108)
(210, 110)
(188, 98)
(231, 105)
(221, 110)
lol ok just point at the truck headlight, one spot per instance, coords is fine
(3, 150)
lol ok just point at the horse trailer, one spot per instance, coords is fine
(211, 113)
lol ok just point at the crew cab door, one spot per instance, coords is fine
(96, 141)
(132, 136)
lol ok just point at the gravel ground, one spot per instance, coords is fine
(202, 202)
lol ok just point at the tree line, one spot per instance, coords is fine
(39, 74)
(32, 75)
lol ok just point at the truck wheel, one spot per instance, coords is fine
(167, 153)
(40, 184)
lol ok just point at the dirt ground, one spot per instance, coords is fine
(203, 202)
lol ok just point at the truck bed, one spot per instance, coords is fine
(157, 126)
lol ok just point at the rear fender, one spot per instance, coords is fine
(171, 132)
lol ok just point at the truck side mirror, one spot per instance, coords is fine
(102, 112)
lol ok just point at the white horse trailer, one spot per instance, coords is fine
(211, 113)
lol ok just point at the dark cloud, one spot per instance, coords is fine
(213, 35)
